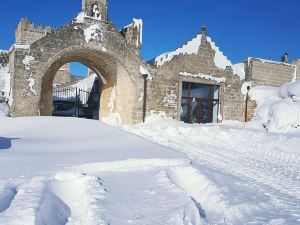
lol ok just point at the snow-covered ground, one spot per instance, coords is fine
(254, 175)
(75, 171)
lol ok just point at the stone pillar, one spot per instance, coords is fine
(25, 85)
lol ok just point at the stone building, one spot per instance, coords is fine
(196, 83)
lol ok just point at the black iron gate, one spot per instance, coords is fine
(75, 102)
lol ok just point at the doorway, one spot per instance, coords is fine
(199, 103)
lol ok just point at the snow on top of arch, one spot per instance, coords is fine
(189, 48)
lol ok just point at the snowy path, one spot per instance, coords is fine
(267, 167)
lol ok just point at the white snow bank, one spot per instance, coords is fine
(131, 165)
(290, 90)
(278, 108)
(68, 141)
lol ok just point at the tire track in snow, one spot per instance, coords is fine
(268, 163)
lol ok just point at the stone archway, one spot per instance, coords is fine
(106, 52)
(116, 82)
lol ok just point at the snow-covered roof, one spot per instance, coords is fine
(192, 47)
(189, 48)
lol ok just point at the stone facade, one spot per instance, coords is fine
(167, 80)
(115, 57)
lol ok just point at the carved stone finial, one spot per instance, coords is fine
(203, 30)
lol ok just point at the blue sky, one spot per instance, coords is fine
(241, 28)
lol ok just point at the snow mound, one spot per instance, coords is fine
(278, 108)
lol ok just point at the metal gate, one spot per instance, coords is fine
(75, 102)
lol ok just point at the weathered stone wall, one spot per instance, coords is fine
(269, 73)
(251, 109)
(133, 33)
(26, 33)
(108, 54)
(167, 83)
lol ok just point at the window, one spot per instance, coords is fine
(199, 103)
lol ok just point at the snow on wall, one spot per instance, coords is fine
(82, 15)
(31, 84)
(93, 33)
(191, 47)
(220, 60)
(27, 61)
(27, 64)
(204, 76)
(138, 23)
(239, 69)
(144, 71)
(15, 46)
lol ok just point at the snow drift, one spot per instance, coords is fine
(278, 109)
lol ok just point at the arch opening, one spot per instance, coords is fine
(112, 95)
(76, 92)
